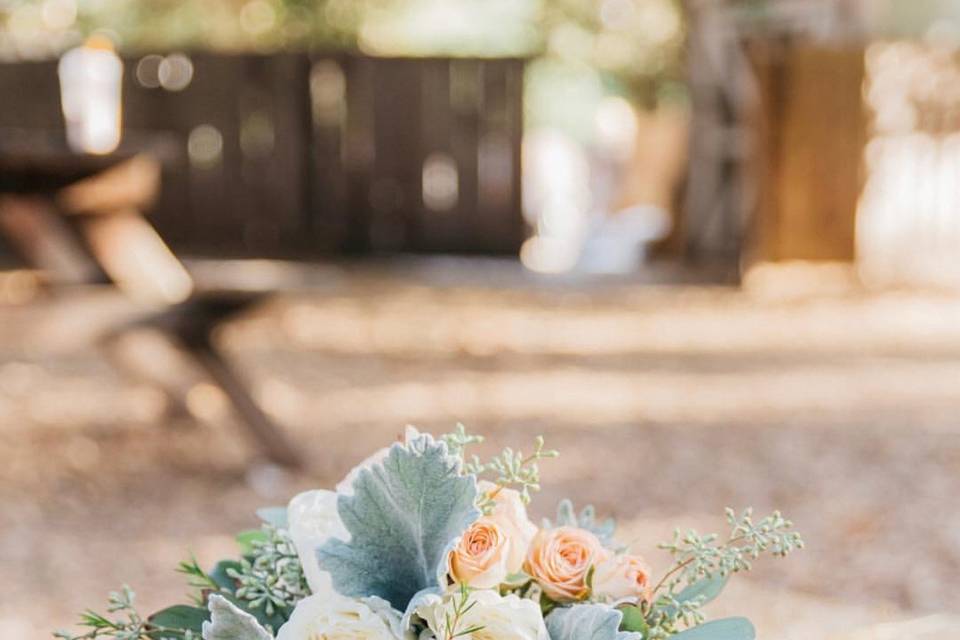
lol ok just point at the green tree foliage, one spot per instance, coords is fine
(635, 44)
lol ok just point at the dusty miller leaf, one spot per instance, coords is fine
(587, 622)
(404, 514)
(587, 519)
(227, 622)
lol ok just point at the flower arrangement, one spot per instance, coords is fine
(423, 542)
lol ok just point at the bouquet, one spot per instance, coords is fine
(423, 542)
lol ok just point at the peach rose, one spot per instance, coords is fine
(559, 560)
(480, 558)
(622, 576)
(510, 514)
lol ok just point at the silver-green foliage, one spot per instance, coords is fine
(586, 519)
(587, 622)
(403, 517)
(227, 622)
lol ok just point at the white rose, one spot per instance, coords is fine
(313, 519)
(499, 617)
(333, 617)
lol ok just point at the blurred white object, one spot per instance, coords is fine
(557, 199)
(616, 127)
(91, 79)
(619, 242)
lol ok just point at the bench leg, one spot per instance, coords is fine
(116, 352)
(261, 428)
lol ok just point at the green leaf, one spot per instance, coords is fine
(404, 516)
(515, 580)
(219, 574)
(246, 539)
(227, 622)
(587, 622)
(633, 620)
(707, 589)
(723, 629)
(181, 617)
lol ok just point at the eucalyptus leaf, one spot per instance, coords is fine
(516, 580)
(227, 622)
(219, 574)
(403, 516)
(275, 516)
(706, 589)
(246, 539)
(180, 618)
(587, 622)
(633, 620)
(723, 629)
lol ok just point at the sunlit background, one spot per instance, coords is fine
(708, 248)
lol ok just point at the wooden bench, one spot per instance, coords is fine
(79, 220)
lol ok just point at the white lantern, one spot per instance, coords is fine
(91, 79)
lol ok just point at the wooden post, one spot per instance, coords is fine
(809, 131)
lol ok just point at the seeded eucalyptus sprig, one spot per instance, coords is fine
(511, 469)
(514, 470)
(459, 440)
(697, 557)
(702, 564)
(129, 626)
(272, 576)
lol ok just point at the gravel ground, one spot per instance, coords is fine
(667, 403)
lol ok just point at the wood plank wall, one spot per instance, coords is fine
(320, 154)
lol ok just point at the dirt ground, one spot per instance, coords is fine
(667, 403)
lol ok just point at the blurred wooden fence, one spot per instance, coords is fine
(777, 131)
(856, 158)
(808, 126)
(298, 155)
